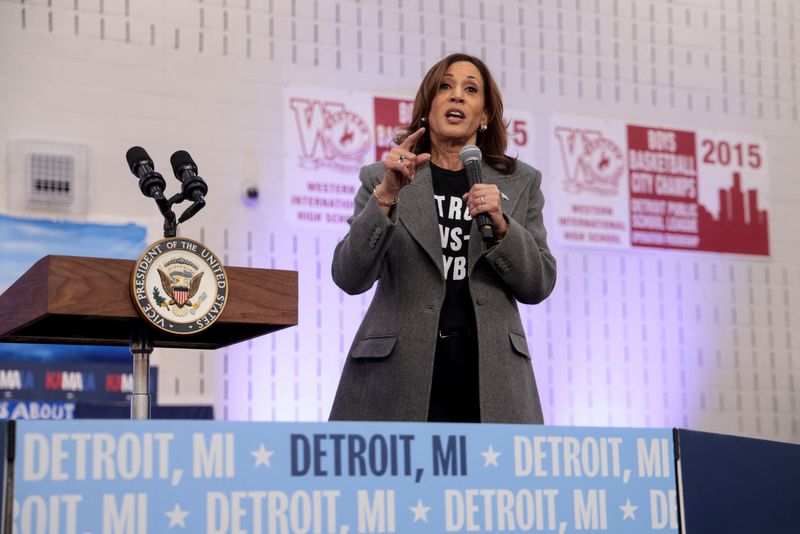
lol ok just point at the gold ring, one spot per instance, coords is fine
(401, 158)
(483, 201)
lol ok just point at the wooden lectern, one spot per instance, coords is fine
(87, 301)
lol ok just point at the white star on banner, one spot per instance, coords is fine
(262, 456)
(420, 511)
(628, 510)
(490, 457)
(176, 516)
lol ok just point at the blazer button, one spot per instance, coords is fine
(479, 301)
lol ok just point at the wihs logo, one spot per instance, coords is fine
(330, 136)
(591, 162)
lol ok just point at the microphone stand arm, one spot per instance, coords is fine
(196, 206)
(165, 207)
(170, 221)
(170, 225)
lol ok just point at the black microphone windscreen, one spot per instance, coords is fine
(137, 154)
(180, 159)
(470, 153)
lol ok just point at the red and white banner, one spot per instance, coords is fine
(733, 188)
(632, 185)
(590, 196)
(520, 129)
(391, 115)
(329, 137)
(331, 134)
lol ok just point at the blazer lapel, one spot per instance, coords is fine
(418, 215)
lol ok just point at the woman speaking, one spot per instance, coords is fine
(442, 339)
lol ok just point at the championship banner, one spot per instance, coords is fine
(340, 478)
(520, 129)
(391, 115)
(733, 188)
(632, 185)
(331, 134)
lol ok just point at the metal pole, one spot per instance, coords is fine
(141, 347)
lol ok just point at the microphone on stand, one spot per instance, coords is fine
(151, 183)
(193, 187)
(471, 158)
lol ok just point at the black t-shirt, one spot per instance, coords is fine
(454, 226)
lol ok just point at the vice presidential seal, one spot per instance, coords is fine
(179, 286)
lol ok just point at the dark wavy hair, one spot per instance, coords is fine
(492, 142)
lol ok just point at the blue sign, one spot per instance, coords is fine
(36, 410)
(60, 380)
(340, 478)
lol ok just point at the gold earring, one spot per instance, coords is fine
(483, 128)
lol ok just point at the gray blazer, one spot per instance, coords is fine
(388, 372)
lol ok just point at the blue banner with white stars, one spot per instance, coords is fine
(123, 477)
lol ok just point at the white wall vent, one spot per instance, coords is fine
(51, 178)
(47, 175)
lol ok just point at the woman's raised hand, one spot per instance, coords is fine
(400, 165)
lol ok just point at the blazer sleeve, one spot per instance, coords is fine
(522, 258)
(358, 257)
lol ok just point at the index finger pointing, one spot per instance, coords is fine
(411, 139)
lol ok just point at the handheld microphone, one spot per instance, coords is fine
(192, 186)
(471, 158)
(151, 183)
